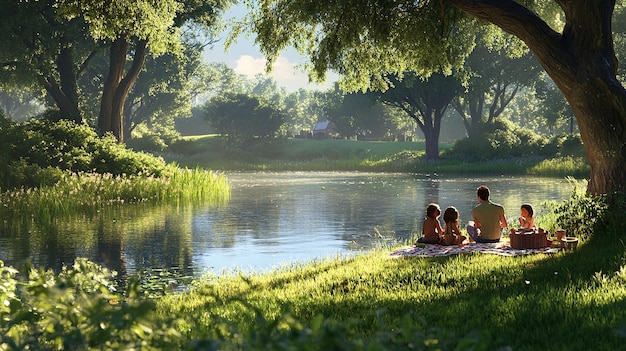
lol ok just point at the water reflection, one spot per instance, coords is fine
(285, 217)
(271, 219)
(125, 239)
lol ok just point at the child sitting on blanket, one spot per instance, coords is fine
(526, 220)
(431, 229)
(451, 233)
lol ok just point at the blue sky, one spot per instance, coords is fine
(245, 58)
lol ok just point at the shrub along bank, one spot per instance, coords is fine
(38, 152)
(50, 168)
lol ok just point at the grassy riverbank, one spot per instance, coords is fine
(351, 155)
(572, 300)
(568, 301)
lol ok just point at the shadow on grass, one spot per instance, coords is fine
(561, 302)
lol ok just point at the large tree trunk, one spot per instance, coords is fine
(65, 92)
(473, 107)
(432, 147)
(602, 123)
(67, 76)
(583, 65)
(67, 107)
(430, 125)
(127, 119)
(431, 135)
(117, 60)
(117, 86)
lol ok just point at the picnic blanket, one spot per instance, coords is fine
(501, 248)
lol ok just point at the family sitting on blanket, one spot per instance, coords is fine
(489, 220)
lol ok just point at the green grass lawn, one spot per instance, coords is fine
(211, 152)
(572, 300)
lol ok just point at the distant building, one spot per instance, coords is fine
(323, 130)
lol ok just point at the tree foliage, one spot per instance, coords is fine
(553, 106)
(19, 103)
(243, 117)
(41, 48)
(111, 20)
(358, 114)
(366, 40)
(52, 42)
(357, 39)
(496, 73)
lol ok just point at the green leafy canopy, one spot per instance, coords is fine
(365, 40)
(151, 20)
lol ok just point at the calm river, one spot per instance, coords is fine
(272, 219)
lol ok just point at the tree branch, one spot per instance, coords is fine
(513, 18)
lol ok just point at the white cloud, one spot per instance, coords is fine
(285, 73)
(245, 58)
(285, 70)
(249, 66)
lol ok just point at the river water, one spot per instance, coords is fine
(272, 219)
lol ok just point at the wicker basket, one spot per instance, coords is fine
(523, 239)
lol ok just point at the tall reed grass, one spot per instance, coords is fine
(85, 192)
(561, 167)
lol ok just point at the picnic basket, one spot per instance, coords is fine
(528, 239)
